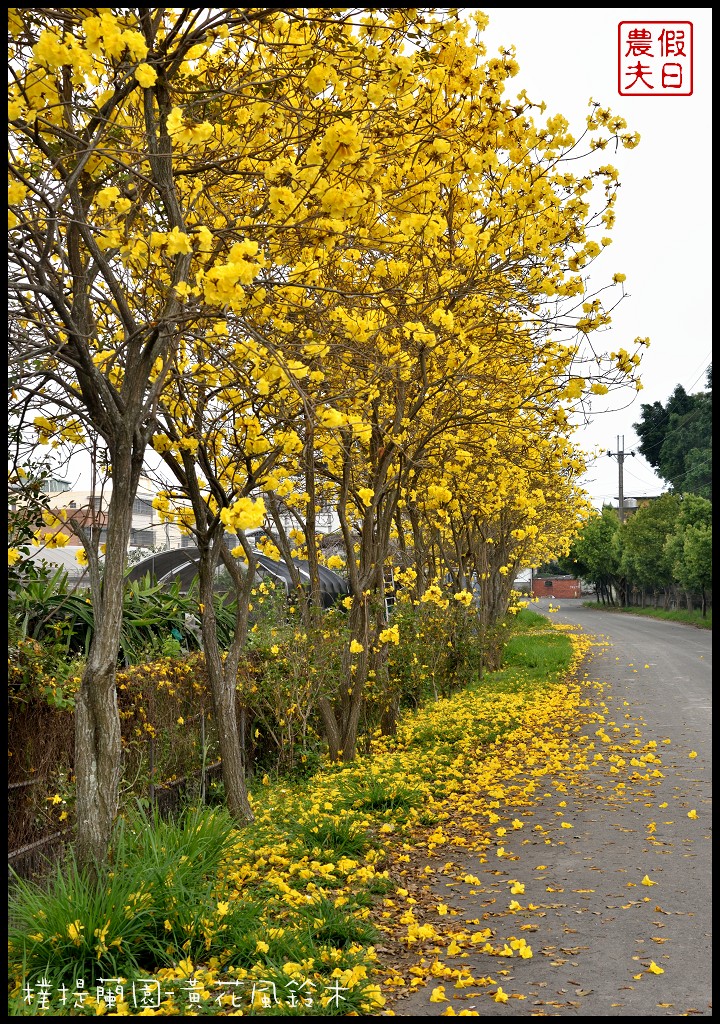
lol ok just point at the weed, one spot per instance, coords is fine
(382, 794)
(339, 836)
(334, 926)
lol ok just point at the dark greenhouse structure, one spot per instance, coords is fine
(181, 566)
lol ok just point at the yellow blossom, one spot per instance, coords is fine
(146, 75)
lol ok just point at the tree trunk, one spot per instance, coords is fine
(389, 719)
(330, 728)
(351, 726)
(97, 763)
(98, 747)
(311, 525)
(223, 682)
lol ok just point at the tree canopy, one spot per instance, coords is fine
(663, 549)
(309, 257)
(676, 439)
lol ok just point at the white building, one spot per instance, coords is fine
(147, 532)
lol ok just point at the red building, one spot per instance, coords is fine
(556, 586)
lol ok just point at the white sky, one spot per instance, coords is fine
(662, 235)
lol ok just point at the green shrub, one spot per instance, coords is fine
(156, 891)
(341, 837)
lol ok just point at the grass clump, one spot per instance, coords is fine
(382, 794)
(333, 926)
(156, 886)
(341, 837)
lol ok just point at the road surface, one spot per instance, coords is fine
(604, 943)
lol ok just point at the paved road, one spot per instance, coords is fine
(597, 928)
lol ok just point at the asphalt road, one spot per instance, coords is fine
(597, 929)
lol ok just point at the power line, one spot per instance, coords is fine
(703, 371)
(646, 482)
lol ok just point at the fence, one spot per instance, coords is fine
(34, 859)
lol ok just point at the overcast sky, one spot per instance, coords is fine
(662, 236)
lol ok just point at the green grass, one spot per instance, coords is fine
(527, 620)
(694, 618)
(542, 654)
(156, 888)
(341, 837)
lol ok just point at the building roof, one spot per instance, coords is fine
(63, 558)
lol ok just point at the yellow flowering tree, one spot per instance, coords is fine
(303, 251)
(91, 182)
(440, 315)
(424, 242)
(144, 146)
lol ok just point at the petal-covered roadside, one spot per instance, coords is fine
(316, 906)
(358, 891)
(593, 895)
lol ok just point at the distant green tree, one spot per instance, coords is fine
(689, 548)
(644, 560)
(694, 569)
(676, 439)
(594, 557)
(698, 465)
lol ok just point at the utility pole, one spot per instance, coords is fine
(620, 456)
